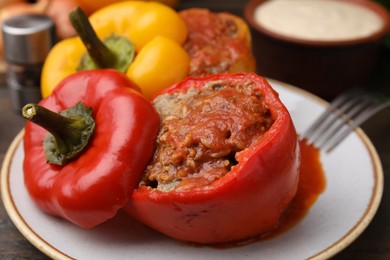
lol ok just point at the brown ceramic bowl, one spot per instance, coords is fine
(325, 68)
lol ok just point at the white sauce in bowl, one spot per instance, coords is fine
(324, 20)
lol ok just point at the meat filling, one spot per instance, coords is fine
(201, 132)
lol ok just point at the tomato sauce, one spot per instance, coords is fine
(312, 183)
(200, 137)
(208, 32)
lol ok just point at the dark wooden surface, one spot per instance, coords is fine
(374, 243)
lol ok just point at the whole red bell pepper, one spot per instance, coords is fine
(89, 169)
(249, 199)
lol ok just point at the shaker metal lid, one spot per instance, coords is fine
(28, 38)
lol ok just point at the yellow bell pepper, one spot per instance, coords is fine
(150, 31)
(92, 6)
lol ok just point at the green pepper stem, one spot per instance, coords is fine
(95, 47)
(71, 133)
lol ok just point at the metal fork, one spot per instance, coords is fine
(345, 113)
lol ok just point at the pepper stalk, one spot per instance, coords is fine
(69, 130)
(114, 52)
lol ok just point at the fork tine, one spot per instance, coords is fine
(320, 122)
(355, 106)
(373, 109)
(339, 106)
(344, 114)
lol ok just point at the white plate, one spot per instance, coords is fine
(352, 196)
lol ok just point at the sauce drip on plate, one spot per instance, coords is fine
(312, 183)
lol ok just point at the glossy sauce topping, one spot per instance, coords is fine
(199, 137)
(208, 32)
(325, 20)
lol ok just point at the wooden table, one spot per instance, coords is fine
(374, 243)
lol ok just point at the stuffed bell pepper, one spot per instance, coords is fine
(85, 150)
(217, 42)
(140, 39)
(227, 160)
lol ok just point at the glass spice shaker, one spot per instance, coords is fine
(27, 41)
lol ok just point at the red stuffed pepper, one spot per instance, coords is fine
(226, 164)
(99, 144)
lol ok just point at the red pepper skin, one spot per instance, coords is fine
(90, 189)
(247, 201)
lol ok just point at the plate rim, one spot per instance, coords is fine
(12, 211)
(376, 195)
(340, 244)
